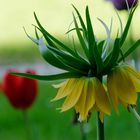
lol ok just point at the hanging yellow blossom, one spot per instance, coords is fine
(85, 95)
(123, 83)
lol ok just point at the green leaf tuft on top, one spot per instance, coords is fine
(93, 58)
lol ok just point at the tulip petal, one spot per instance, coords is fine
(74, 96)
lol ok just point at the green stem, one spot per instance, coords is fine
(138, 110)
(100, 129)
(27, 125)
(100, 125)
(83, 134)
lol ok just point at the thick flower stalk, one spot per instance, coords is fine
(124, 4)
(20, 91)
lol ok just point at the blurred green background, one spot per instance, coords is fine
(18, 52)
(47, 123)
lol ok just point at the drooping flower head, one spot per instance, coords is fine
(85, 95)
(123, 83)
(20, 91)
(85, 66)
(124, 4)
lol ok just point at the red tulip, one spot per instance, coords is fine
(20, 91)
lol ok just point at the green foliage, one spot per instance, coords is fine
(126, 29)
(50, 77)
(96, 57)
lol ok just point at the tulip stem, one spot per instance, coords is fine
(27, 125)
(100, 128)
(83, 135)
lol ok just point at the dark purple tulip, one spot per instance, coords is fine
(121, 4)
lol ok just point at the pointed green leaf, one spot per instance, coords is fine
(73, 29)
(111, 60)
(130, 50)
(120, 21)
(98, 60)
(125, 32)
(31, 38)
(52, 38)
(81, 66)
(108, 39)
(91, 38)
(100, 46)
(80, 37)
(49, 41)
(81, 22)
(51, 58)
(60, 76)
(36, 33)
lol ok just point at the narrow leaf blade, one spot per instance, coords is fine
(51, 37)
(60, 76)
(130, 50)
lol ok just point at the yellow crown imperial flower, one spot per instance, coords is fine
(85, 63)
(123, 83)
(85, 95)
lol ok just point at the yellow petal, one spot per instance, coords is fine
(126, 89)
(122, 86)
(123, 103)
(101, 97)
(136, 82)
(74, 96)
(133, 71)
(105, 87)
(112, 90)
(60, 84)
(86, 101)
(135, 77)
(101, 116)
(90, 99)
(80, 105)
(66, 89)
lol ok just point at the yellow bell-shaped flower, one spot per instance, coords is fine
(85, 95)
(123, 83)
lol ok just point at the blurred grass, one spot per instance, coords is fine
(28, 52)
(49, 124)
